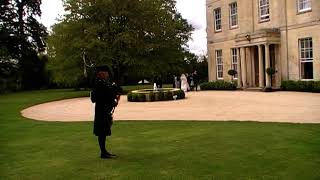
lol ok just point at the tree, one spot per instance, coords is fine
(22, 38)
(145, 35)
(194, 62)
(232, 73)
(270, 71)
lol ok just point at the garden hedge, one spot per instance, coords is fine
(218, 85)
(147, 95)
(303, 86)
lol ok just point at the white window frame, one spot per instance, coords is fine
(234, 61)
(305, 54)
(219, 62)
(265, 7)
(233, 14)
(217, 19)
(305, 6)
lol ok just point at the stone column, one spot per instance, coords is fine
(261, 74)
(268, 79)
(239, 68)
(278, 66)
(243, 66)
(253, 72)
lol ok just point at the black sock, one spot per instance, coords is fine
(102, 144)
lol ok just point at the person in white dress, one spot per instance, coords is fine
(184, 83)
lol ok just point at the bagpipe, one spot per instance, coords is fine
(92, 94)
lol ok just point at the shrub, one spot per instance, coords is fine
(271, 71)
(316, 86)
(135, 97)
(155, 96)
(218, 85)
(141, 97)
(289, 85)
(161, 96)
(168, 95)
(152, 96)
(304, 86)
(232, 72)
(180, 94)
(129, 97)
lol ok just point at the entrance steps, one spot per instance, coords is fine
(255, 89)
(258, 89)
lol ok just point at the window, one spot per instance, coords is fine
(306, 58)
(219, 64)
(233, 15)
(217, 19)
(234, 61)
(264, 10)
(304, 5)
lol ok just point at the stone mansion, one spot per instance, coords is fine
(250, 36)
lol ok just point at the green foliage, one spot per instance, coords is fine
(304, 86)
(168, 95)
(199, 63)
(232, 72)
(129, 97)
(271, 71)
(8, 72)
(140, 36)
(135, 97)
(152, 96)
(218, 85)
(180, 94)
(141, 97)
(160, 96)
(316, 86)
(289, 85)
(21, 40)
(155, 96)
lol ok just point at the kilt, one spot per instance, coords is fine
(102, 121)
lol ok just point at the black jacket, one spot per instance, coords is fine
(104, 94)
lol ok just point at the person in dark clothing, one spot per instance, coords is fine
(106, 95)
(159, 83)
(189, 80)
(196, 79)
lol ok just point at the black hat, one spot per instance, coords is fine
(103, 68)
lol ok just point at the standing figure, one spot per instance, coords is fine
(159, 82)
(155, 82)
(191, 80)
(106, 95)
(184, 83)
(196, 79)
(176, 82)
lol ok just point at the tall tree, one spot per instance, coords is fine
(22, 37)
(147, 35)
(196, 62)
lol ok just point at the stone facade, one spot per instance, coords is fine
(269, 33)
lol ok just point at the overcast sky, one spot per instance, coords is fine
(192, 10)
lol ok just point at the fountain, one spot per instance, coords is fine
(155, 94)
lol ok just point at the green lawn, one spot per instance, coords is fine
(152, 150)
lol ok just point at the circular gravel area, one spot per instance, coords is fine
(293, 107)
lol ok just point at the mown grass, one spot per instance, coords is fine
(152, 150)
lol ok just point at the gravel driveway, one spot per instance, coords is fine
(294, 107)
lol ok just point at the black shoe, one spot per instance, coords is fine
(105, 156)
(112, 155)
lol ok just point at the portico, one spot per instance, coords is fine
(257, 52)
